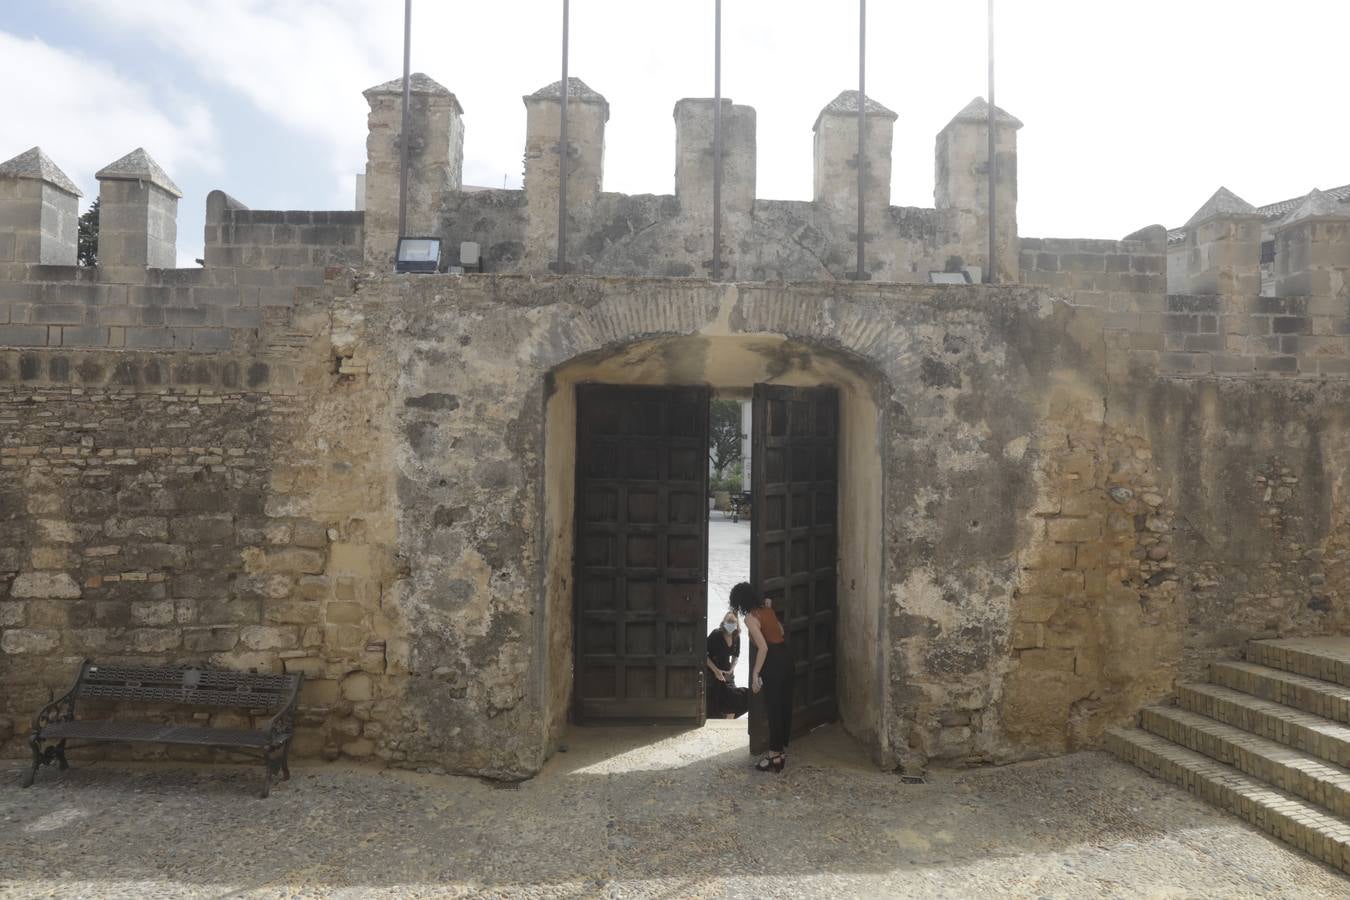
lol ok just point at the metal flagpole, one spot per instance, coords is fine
(403, 126)
(861, 274)
(717, 141)
(991, 275)
(562, 155)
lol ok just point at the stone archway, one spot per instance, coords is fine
(734, 361)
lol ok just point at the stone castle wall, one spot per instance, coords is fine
(1067, 530)
(293, 461)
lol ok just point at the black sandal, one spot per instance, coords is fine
(774, 762)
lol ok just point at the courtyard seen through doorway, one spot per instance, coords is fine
(730, 511)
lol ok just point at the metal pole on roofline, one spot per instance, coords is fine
(403, 126)
(991, 276)
(562, 153)
(717, 141)
(861, 273)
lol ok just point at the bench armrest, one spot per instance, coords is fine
(281, 726)
(62, 709)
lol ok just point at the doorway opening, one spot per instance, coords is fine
(637, 559)
(729, 516)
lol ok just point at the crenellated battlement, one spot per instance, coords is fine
(260, 260)
(670, 235)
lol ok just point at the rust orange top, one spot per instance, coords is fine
(769, 625)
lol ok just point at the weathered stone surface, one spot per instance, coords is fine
(27, 641)
(48, 585)
(357, 686)
(265, 637)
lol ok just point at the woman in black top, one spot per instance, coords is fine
(725, 700)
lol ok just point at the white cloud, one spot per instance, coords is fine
(84, 114)
(302, 63)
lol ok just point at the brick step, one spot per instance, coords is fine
(1292, 771)
(1297, 822)
(1286, 725)
(1325, 658)
(1322, 698)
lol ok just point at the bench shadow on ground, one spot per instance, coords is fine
(621, 804)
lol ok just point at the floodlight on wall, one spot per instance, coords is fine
(949, 278)
(418, 254)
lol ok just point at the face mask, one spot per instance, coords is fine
(730, 627)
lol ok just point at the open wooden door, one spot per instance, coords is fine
(793, 545)
(641, 553)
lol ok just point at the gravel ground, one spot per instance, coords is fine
(638, 813)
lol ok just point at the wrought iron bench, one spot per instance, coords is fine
(55, 723)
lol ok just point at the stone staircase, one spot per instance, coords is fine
(1267, 739)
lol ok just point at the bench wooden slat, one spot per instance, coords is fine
(154, 732)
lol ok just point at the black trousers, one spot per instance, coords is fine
(777, 675)
(724, 698)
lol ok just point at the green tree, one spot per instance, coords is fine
(724, 441)
(88, 237)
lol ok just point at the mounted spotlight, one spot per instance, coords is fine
(421, 255)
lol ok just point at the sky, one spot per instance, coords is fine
(1134, 112)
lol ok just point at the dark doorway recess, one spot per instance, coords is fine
(641, 553)
(793, 549)
(641, 580)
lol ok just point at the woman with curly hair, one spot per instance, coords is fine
(772, 672)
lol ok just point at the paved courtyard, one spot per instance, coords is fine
(642, 812)
(728, 564)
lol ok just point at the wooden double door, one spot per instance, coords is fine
(641, 573)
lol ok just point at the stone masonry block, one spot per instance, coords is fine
(84, 336)
(211, 339)
(1027, 635)
(202, 529)
(268, 637)
(28, 641)
(352, 559)
(153, 612)
(216, 296)
(1282, 364)
(320, 692)
(309, 666)
(210, 640)
(293, 613)
(146, 527)
(155, 640)
(344, 613)
(1057, 660)
(148, 338)
(45, 585)
(1067, 530)
(23, 335)
(310, 534)
(290, 559)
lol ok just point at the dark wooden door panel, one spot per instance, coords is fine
(793, 545)
(641, 553)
